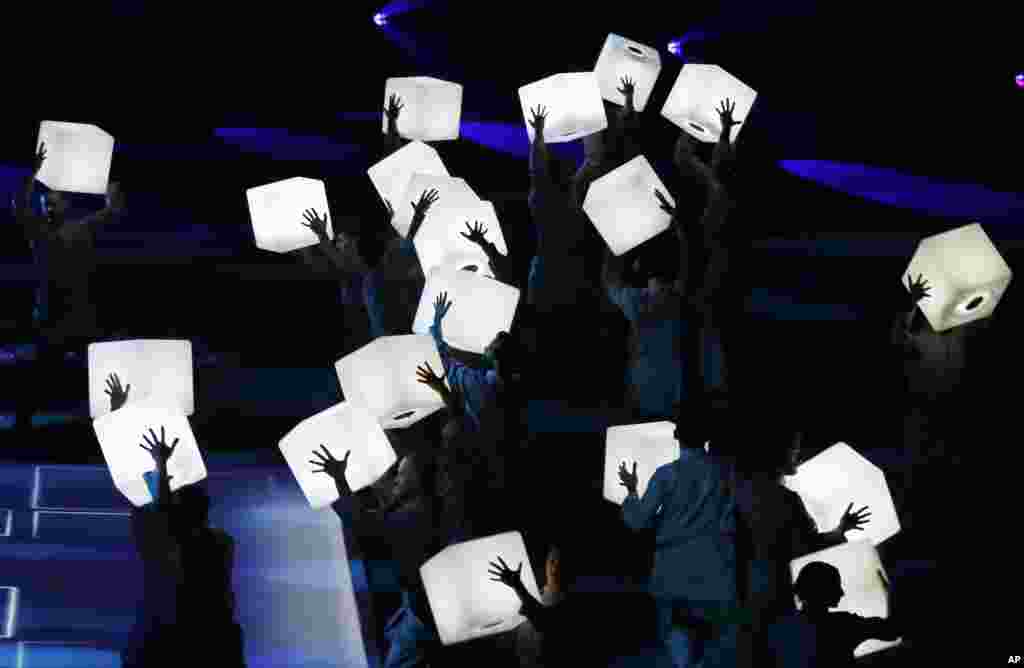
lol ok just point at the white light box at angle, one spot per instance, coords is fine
(573, 103)
(694, 99)
(431, 111)
(391, 176)
(621, 57)
(120, 434)
(838, 476)
(965, 273)
(382, 377)
(622, 205)
(863, 592)
(158, 370)
(439, 242)
(340, 428)
(481, 307)
(78, 157)
(466, 602)
(650, 445)
(454, 199)
(277, 209)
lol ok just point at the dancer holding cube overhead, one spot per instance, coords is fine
(64, 317)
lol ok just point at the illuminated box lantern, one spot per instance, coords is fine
(277, 209)
(965, 273)
(573, 103)
(120, 433)
(431, 108)
(481, 307)
(863, 592)
(78, 157)
(466, 602)
(698, 92)
(838, 476)
(158, 370)
(391, 175)
(340, 428)
(622, 206)
(382, 377)
(621, 57)
(650, 445)
(455, 199)
(439, 242)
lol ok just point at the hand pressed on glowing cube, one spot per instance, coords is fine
(77, 157)
(573, 102)
(391, 176)
(161, 371)
(693, 102)
(647, 445)
(621, 57)
(621, 207)
(431, 109)
(274, 208)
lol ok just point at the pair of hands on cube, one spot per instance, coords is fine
(540, 113)
(114, 196)
(317, 223)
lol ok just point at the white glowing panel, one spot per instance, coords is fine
(431, 109)
(863, 592)
(340, 428)
(621, 57)
(382, 377)
(838, 476)
(965, 272)
(698, 92)
(455, 199)
(481, 307)
(78, 157)
(650, 445)
(466, 603)
(120, 433)
(622, 206)
(439, 242)
(390, 176)
(158, 370)
(573, 102)
(277, 209)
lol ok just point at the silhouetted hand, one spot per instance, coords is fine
(158, 448)
(627, 479)
(394, 107)
(441, 306)
(725, 111)
(505, 575)
(853, 521)
(40, 158)
(628, 87)
(118, 396)
(390, 211)
(315, 223)
(331, 466)
(540, 115)
(476, 233)
(426, 375)
(664, 204)
(918, 289)
(421, 207)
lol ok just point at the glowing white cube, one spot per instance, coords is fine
(391, 175)
(621, 57)
(622, 206)
(382, 377)
(573, 103)
(120, 433)
(863, 592)
(277, 211)
(965, 272)
(340, 428)
(694, 99)
(78, 157)
(158, 370)
(481, 307)
(650, 445)
(432, 108)
(439, 242)
(466, 603)
(838, 476)
(454, 199)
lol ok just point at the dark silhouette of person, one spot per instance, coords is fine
(817, 638)
(64, 317)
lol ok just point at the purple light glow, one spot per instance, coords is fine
(674, 47)
(1020, 80)
(380, 19)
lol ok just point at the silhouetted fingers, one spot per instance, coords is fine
(345, 460)
(174, 445)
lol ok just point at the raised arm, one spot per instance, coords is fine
(500, 264)
(918, 291)
(682, 238)
(636, 512)
(394, 141)
(346, 259)
(426, 375)
(348, 506)
(420, 209)
(540, 165)
(621, 135)
(725, 152)
(532, 609)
